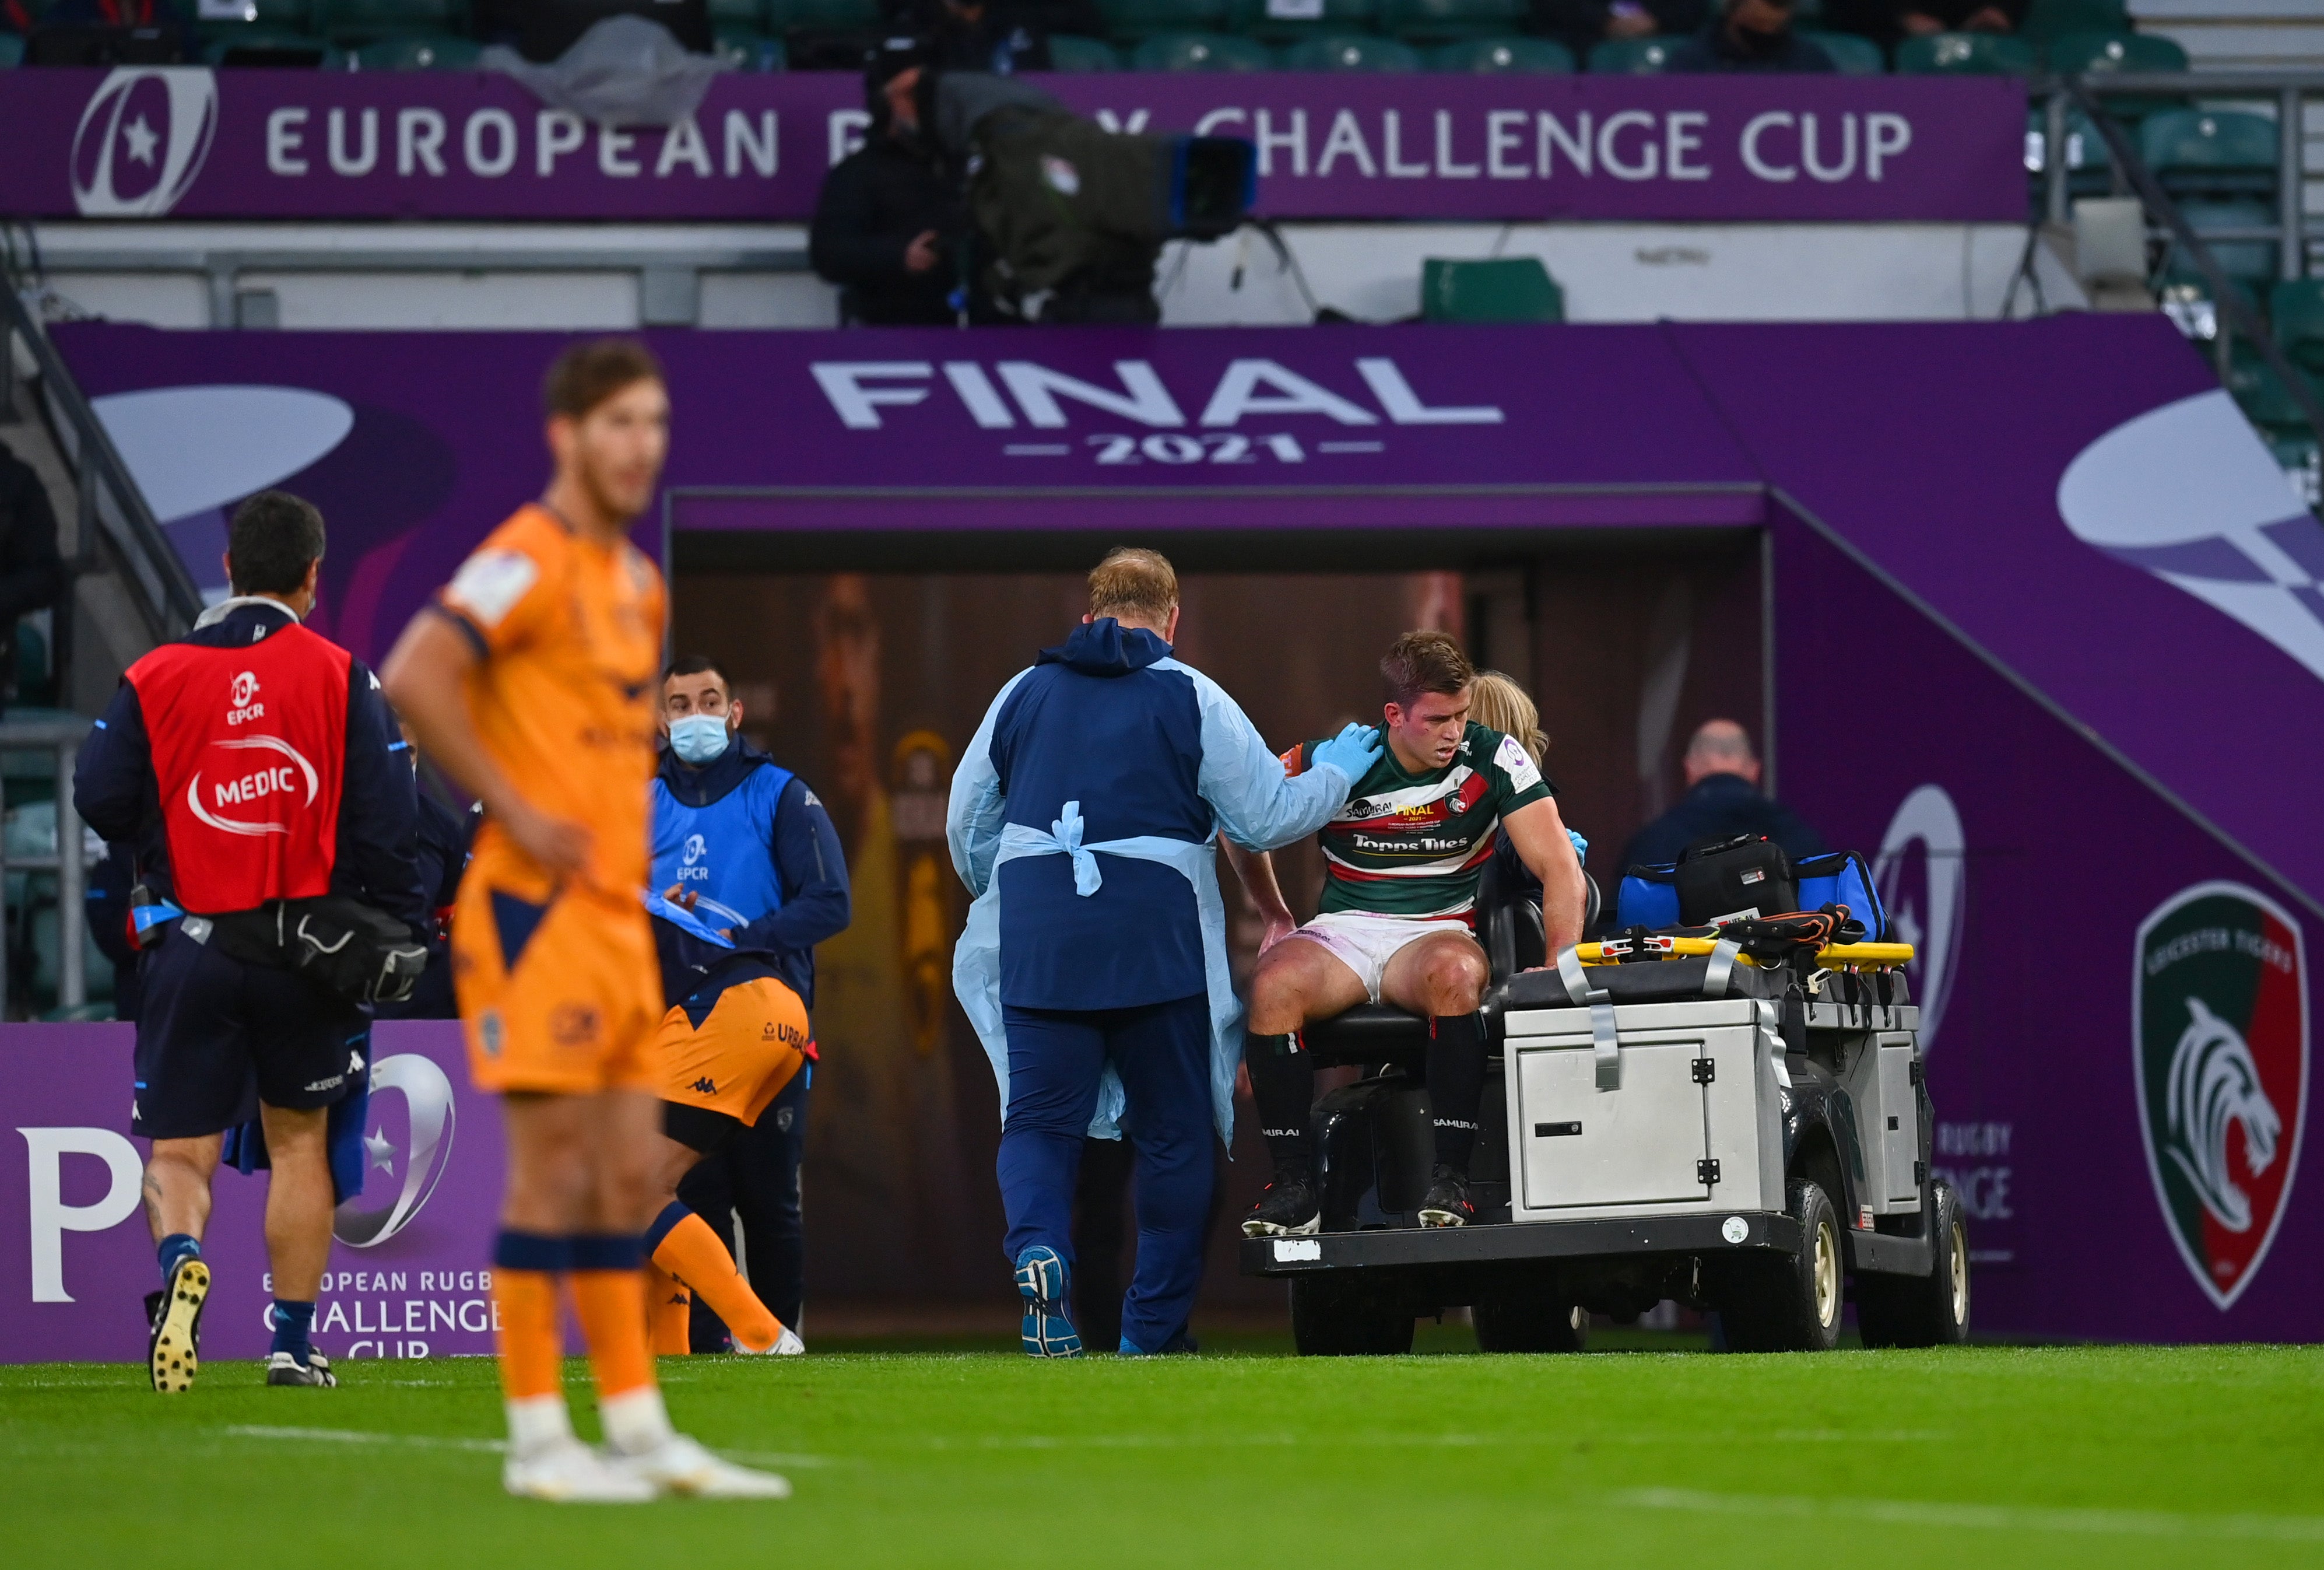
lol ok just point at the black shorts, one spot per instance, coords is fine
(215, 1037)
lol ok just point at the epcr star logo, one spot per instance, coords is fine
(423, 1149)
(246, 688)
(693, 848)
(142, 140)
(2187, 492)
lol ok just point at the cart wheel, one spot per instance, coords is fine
(1338, 1313)
(1790, 1303)
(1518, 1322)
(1931, 1310)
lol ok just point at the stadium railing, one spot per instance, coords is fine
(2238, 317)
(60, 736)
(113, 520)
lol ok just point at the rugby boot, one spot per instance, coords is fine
(283, 1367)
(173, 1350)
(681, 1466)
(1048, 1330)
(1289, 1208)
(567, 1472)
(1446, 1202)
(786, 1345)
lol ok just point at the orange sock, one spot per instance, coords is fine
(692, 1253)
(669, 1314)
(612, 1307)
(531, 1350)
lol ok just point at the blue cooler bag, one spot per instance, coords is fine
(1649, 894)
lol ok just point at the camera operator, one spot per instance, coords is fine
(890, 222)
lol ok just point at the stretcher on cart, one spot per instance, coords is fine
(1664, 1118)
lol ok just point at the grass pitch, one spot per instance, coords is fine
(2113, 1456)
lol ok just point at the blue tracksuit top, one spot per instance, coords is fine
(1147, 747)
(756, 846)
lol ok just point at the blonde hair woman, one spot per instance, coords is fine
(1498, 703)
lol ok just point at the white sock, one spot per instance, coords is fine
(537, 1422)
(635, 1421)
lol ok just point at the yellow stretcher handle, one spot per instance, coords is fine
(1831, 957)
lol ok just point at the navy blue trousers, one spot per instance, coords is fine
(1162, 1052)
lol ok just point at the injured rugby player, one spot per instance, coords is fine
(1403, 860)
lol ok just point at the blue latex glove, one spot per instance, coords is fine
(1352, 752)
(1581, 845)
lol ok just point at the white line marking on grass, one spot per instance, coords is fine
(496, 1446)
(353, 1436)
(1992, 1518)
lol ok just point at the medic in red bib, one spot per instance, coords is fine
(253, 761)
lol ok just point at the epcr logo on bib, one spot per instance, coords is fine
(142, 140)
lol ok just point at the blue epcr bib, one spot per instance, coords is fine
(723, 854)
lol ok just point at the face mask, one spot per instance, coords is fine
(699, 738)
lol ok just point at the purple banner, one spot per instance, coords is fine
(410, 1268)
(190, 143)
(2026, 865)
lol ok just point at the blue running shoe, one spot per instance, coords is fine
(1181, 1343)
(1041, 1281)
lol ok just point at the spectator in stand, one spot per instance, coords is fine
(1723, 799)
(890, 224)
(1582, 25)
(1891, 20)
(31, 573)
(1750, 36)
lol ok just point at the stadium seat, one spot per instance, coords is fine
(1966, 54)
(266, 46)
(1201, 51)
(414, 52)
(749, 50)
(1136, 21)
(1274, 21)
(2089, 167)
(1351, 51)
(274, 15)
(2053, 19)
(2105, 53)
(2295, 308)
(12, 49)
(1503, 289)
(2211, 153)
(1448, 20)
(2082, 53)
(1492, 55)
(737, 15)
(1852, 54)
(1634, 56)
(350, 23)
(2249, 263)
(1069, 53)
(2296, 451)
(2266, 400)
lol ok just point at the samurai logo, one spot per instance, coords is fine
(141, 141)
(425, 1150)
(2220, 1018)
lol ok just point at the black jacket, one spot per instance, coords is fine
(874, 202)
(1720, 48)
(1720, 807)
(31, 573)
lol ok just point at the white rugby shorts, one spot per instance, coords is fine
(1365, 941)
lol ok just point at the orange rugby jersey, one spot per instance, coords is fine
(563, 699)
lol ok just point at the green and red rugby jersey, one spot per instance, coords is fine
(1417, 844)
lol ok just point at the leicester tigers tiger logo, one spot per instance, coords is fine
(2222, 1057)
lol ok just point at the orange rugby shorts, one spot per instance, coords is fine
(739, 1058)
(559, 997)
